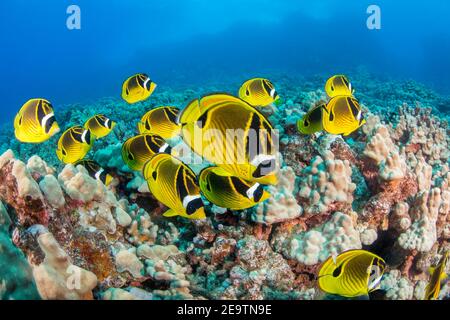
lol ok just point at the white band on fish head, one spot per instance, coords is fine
(251, 191)
(163, 148)
(83, 136)
(188, 199)
(46, 118)
(98, 174)
(261, 158)
(272, 93)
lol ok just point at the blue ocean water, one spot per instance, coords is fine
(193, 41)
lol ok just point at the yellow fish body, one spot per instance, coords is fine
(137, 88)
(342, 115)
(175, 185)
(233, 135)
(100, 125)
(338, 86)
(258, 92)
(230, 192)
(311, 121)
(35, 122)
(95, 171)
(137, 150)
(161, 121)
(437, 276)
(74, 144)
(353, 273)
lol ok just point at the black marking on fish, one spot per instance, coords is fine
(202, 120)
(171, 115)
(40, 110)
(88, 136)
(306, 123)
(194, 205)
(257, 195)
(247, 93)
(316, 114)
(20, 120)
(147, 125)
(267, 164)
(208, 187)
(240, 187)
(181, 186)
(64, 153)
(353, 107)
(77, 136)
(337, 272)
(332, 88)
(49, 123)
(154, 175)
(346, 83)
(331, 117)
(153, 143)
(267, 87)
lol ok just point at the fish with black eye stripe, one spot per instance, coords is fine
(342, 115)
(258, 92)
(139, 149)
(312, 120)
(338, 85)
(161, 121)
(100, 125)
(438, 276)
(230, 192)
(175, 185)
(35, 122)
(137, 88)
(74, 144)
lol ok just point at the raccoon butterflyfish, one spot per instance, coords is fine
(233, 135)
(95, 171)
(258, 92)
(161, 121)
(338, 86)
(137, 150)
(175, 185)
(342, 115)
(353, 273)
(438, 276)
(74, 144)
(100, 125)
(230, 192)
(35, 122)
(137, 88)
(311, 121)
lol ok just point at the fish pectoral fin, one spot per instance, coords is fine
(170, 213)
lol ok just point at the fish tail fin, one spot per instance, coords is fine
(198, 215)
(170, 213)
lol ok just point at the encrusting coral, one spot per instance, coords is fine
(385, 188)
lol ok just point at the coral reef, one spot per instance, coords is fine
(385, 188)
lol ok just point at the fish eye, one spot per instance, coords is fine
(20, 121)
(332, 88)
(130, 156)
(127, 91)
(306, 123)
(147, 125)
(64, 153)
(208, 187)
(247, 93)
(154, 175)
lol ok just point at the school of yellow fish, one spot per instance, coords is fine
(244, 165)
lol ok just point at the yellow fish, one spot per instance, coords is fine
(311, 121)
(175, 185)
(95, 171)
(338, 86)
(353, 273)
(233, 135)
(161, 121)
(100, 125)
(74, 144)
(137, 88)
(438, 275)
(137, 150)
(35, 122)
(258, 92)
(342, 115)
(230, 192)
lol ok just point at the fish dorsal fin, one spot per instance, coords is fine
(221, 172)
(197, 107)
(334, 258)
(170, 213)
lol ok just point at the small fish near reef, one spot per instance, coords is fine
(100, 125)
(312, 120)
(74, 144)
(353, 273)
(161, 121)
(35, 122)
(175, 185)
(339, 85)
(258, 92)
(342, 115)
(137, 150)
(230, 192)
(95, 171)
(438, 276)
(137, 88)
(233, 135)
